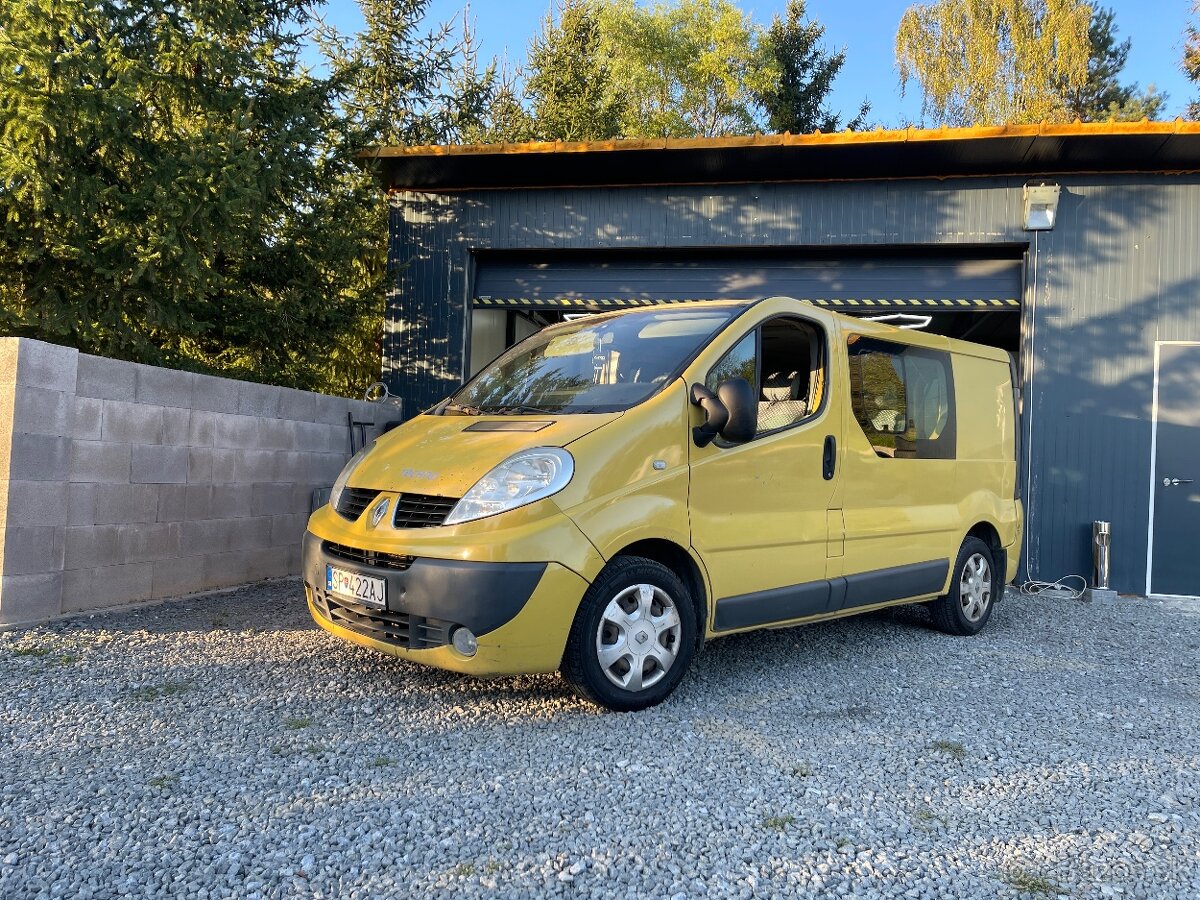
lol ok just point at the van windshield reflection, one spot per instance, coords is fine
(605, 363)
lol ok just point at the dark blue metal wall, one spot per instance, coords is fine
(1120, 270)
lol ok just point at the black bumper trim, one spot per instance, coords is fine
(480, 595)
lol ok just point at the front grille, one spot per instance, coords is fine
(422, 510)
(353, 501)
(412, 632)
(368, 557)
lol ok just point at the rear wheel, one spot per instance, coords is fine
(966, 608)
(633, 637)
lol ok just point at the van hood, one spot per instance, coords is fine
(445, 455)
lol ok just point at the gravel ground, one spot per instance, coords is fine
(223, 746)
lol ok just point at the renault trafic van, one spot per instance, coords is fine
(615, 490)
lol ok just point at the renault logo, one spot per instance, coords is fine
(379, 512)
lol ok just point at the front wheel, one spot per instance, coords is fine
(633, 637)
(968, 605)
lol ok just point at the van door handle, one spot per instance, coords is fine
(829, 460)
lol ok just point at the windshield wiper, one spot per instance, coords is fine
(462, 410)
(519, 408)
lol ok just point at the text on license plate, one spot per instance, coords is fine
(356, 586)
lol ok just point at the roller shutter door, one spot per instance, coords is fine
(612, 280)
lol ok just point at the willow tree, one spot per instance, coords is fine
(689, 67)
(1191, 59)
(989, 62)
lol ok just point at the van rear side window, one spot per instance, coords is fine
(903, 398)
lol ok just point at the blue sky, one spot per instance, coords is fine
(865, 29)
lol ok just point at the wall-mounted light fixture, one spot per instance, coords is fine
(1041, 206)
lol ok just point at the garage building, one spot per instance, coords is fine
(1075, 247)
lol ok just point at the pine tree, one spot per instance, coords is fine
(1103, 97)
(796, 100)
(176, 189)
(569, 80)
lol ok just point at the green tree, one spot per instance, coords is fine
(176, 189)
(987, 62)
(1191, 58)
(569, 80)
(690, 67)
(400, 84)
(1103, 97)
(805, 69)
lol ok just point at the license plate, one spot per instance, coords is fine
(365, 589)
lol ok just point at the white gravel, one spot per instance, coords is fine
(224, 747)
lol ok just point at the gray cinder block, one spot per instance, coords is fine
(159, 465)
(87, 420)
(200, 465)
(176, 577)
(33, 549)
(288, 530)
(47, 366)
(331, 410)
(40, 457)
(40, 411)
(100, 461)
(164, 387)
(215, 394)
(132, 423)
(258, 400)
(272, 499)
(38, 503)
(176, 426)
(298, 406)
(81, 503)
(30, 598)
(225, 466)
(254, 465)
(202, 427)
(172, 501)
(124, 504)
(104, 586)
(106, 379)
(232, 501)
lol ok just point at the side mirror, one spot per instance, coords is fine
(731, 412)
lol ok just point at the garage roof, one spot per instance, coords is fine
(1110, 147)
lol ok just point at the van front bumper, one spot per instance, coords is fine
(519, 612)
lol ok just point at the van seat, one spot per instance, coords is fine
(782, 403)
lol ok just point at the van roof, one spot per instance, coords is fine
(861, 326)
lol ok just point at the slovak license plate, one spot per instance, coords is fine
(365, 589)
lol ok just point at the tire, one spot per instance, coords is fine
(966, 608)
(628, 608)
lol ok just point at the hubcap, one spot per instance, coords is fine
(638, 638)
(975, 587)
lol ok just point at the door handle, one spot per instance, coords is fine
(1175, 482)
(829, 458)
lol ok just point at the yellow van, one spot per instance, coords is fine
(614, 490)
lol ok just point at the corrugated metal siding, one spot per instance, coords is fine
(1120, 270)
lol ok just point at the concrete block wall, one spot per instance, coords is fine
(122, 483)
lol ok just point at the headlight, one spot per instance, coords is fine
(340, 485)
(522, 478)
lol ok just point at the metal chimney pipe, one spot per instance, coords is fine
(1101, 550)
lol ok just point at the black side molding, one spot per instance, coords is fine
(830, 595)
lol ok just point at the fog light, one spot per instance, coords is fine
(464, 641)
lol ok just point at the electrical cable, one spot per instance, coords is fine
(1057, 588)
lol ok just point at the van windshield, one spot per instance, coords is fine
(598, 364)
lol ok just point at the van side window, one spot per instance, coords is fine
(783, 360)
(903, 398)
